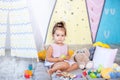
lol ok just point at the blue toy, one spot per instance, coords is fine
(113, 75)
(30, 67)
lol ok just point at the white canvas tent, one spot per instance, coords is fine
(43, 16)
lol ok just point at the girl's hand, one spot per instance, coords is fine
(67, 58)
(60, 59)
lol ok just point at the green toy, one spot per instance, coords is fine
(92, 75)
(63, 56)
(99, 68)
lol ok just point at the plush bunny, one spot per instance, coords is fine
(81, 56)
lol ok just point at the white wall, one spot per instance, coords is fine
(40, 12)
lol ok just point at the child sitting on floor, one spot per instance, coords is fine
(57, 57)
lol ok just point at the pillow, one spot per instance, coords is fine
(104, 57)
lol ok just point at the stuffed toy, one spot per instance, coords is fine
(81, 56)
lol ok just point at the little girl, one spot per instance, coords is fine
(54, 57)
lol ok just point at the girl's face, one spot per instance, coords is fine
(59, 36)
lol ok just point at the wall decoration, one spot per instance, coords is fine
(74, 14)
(94, 10)
(109, 27)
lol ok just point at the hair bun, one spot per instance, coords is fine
(60, 24)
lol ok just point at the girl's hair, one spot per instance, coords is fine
(60, 24)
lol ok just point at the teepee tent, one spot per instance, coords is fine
(87, 21)
(94, 8)
(16, 30)
(22, 25)
(74, 14)
(109, 27)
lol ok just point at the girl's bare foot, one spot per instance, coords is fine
(58, 71)
(50, 71)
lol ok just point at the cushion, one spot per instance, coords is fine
(104, 57)
(92, 51)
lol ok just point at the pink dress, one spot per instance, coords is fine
(57, 52)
